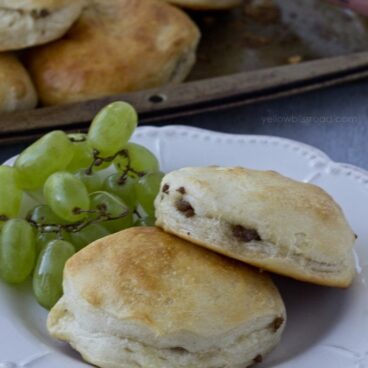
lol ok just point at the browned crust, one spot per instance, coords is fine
(109, 51)
(153, 277)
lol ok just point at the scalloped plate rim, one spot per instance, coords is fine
(141, 130)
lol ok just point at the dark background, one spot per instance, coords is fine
(334, 120)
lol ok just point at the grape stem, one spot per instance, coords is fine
(74, 228)
(79, 211)
(77, 226)
(98, 161)
(128, 169)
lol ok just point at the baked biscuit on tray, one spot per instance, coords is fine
(116, 46)
(25, 23)
(16, 88)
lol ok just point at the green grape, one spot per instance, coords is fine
(67, 196)
(141, 159)
(123, 188)
(43, 239)
(145, 221)
(102, 166)
(88, 235)
(17, 251)
(36, 195)
(10, 194)
(48, 275)
(52, 153)
(93, 181)
(82, 152)
(83, 155)
(108, 203)
(115, 226)
(147, 189)
(113, 207)
(112, 128)
(43, 215)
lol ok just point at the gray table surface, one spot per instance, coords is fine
(334, 120)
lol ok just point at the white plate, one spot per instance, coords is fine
(326, 327)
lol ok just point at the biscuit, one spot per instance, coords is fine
(145, 298)
(116, 46)
(25, 23)
(16, 88)
(261, 218)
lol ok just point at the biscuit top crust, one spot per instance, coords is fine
(167, 284)
(299, 216)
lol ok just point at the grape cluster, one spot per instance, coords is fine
(77, 203)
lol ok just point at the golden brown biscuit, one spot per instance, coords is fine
(25, 23)
(261, 218)
(145, 298)
(116, 46)
(16, 88)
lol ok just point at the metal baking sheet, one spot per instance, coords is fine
(267, 33)
(261, 50)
